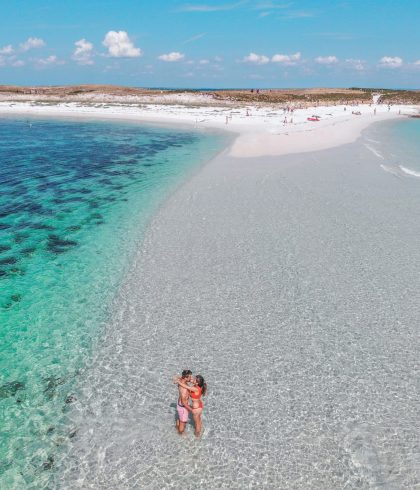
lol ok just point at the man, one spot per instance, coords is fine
(183, 406)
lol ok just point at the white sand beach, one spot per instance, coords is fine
(261, 130)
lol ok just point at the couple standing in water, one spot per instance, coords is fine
(190, 387)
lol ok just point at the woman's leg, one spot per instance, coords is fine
(197, 420)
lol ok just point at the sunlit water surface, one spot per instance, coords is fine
(291, 283)
(74, 200)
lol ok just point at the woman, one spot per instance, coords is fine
(197, 390)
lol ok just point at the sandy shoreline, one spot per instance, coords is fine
(261, 131)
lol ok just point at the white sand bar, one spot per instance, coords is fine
(262, 130)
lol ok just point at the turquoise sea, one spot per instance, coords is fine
(396, 144)
(75, 198)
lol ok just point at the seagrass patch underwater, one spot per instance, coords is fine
(75, 197)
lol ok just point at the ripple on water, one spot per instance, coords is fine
(73, 205)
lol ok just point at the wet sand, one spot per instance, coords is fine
(291, 284)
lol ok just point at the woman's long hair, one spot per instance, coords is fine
(201, 383)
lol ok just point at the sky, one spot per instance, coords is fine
(211, 44)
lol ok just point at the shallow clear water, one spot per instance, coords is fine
(291, 284)
(74, 200)
(396, 144)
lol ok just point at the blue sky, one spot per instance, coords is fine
(220, 43)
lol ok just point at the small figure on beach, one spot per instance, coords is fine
(193, 388)
(183, 405)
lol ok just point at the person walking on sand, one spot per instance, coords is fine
(197, 390)
(183, 405)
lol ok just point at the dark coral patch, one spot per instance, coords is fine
(5, 248)
(67, 200)
(20, 237)
(8, 261)
(52, 383)
(72, 433)
(11, 388)
(73, 228)
(70, 398)
(106, 181)
(59, 245)
(22, 225)
(28, 251)
(47, 465)
(17, 271)
(33, 208)
(42, 226)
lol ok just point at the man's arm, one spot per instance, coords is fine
(186, 387)
(185, 401)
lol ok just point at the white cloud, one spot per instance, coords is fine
(271, 5)
(120, 45)
(218, 59)
(211, 8)
(326, 60)
(50, 60)
(299, 14)
(174, 56)
(258, 59)
(83, 52)
(18, 63)
(358, 65)
(32, 43)
(417, 62)
(203, 62)
(256, 76)
(286, 59)
(7, 49)
(194, 38)
(390, 62)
